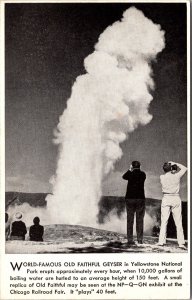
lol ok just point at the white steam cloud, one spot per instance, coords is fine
(120, 224)
(106, 104)
(28, 213)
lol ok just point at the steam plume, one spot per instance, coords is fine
(106, 104)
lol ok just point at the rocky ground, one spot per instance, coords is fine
(81, 239)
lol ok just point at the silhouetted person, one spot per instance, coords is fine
(135, 201)
(7, 227)
(36, 231)
(18, 228)
(156, 230)
(171, 201)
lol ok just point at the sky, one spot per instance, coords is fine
(45, 46)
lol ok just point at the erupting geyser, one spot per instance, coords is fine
(106, 103)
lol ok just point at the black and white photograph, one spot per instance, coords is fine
(96, 128)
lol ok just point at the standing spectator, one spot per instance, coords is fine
(135, 201)
(18, 228)
(171, 201)
(36, 231)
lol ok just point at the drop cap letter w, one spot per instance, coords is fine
(16, 266)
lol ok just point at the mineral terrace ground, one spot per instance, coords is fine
(81, 239)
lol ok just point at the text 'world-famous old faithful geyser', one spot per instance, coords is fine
(106, 104)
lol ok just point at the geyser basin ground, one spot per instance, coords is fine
(81, 239)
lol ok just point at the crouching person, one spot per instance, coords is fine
(36, 231)
(18, 228)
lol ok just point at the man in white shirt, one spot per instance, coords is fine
(171, 201)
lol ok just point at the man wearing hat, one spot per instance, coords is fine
(171, 201)
(135, 201)
(18, 229)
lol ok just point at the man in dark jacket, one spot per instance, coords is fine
(135, 201)
(36, 231)
(18, 228)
